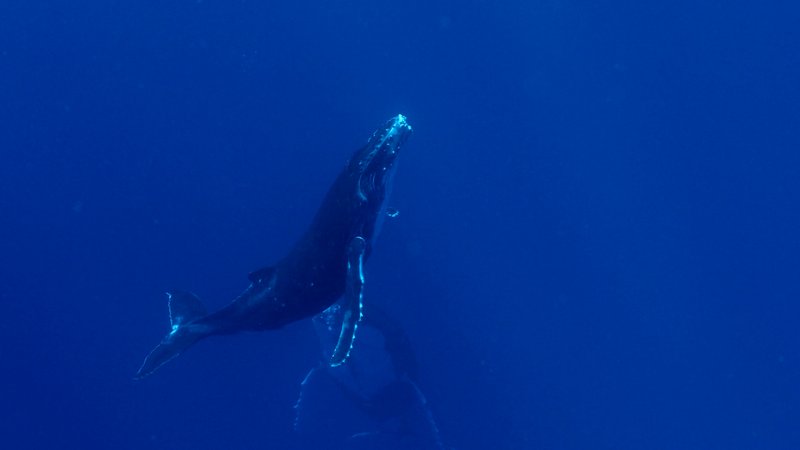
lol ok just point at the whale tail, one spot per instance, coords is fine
(184, 308)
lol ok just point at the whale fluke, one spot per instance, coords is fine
(184, 308)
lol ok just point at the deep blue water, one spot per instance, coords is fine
(597, 245)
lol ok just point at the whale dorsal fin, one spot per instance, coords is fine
(260, 274)
(184, 307)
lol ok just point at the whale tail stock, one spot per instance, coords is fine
(184, 308)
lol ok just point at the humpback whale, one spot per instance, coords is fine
(326, 263)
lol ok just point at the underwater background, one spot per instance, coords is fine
(596, 247)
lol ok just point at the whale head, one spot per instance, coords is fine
(375, 164)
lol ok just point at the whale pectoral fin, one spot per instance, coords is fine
(352, 300)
